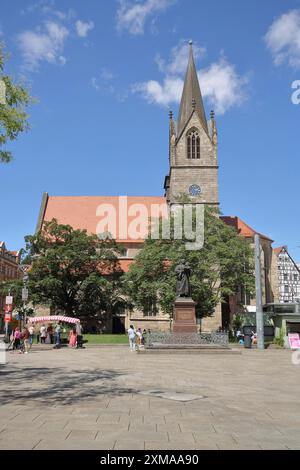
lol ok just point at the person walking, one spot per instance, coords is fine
(31, 334)
(43, 334)
(50, 334)
(79, 335)
(17, 338)
(139, 337)
(73, 338)
(57, 335)
(26, 340)
(131, 337)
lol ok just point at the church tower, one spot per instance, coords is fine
(192, 147)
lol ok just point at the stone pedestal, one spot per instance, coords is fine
(184, 318)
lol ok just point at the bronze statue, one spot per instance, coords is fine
(183, 272)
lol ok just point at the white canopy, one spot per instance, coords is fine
(52, 318)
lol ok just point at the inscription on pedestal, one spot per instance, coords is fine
(184, 320)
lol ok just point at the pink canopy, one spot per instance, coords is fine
(52, 318)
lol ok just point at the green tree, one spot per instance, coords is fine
(71, 271)
(223, 264)
(13, 102)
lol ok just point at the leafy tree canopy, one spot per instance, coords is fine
(71, 271)
(223, 264)
(14, 99)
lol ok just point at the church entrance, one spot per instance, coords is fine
(118, 326)
(118, 319)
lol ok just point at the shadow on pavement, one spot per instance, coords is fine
(57, 386)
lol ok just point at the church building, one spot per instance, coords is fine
(193, 171)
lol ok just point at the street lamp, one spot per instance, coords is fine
(24, 269)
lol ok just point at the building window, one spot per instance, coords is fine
(150, 309)
(286, 289)
(193, 144)
(295, 277)
(285, 277)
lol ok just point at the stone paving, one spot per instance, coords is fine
(97, 398)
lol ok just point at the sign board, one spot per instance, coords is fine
(8, 308)
(24, 294)
(9, 300)
(7, 317)
(294, 340)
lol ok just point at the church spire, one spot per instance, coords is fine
(191, 96)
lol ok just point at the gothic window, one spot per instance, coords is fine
(193, 144)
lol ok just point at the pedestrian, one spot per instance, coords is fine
(37, 333)
(131, 337)
(31, 334)
(144, 336)
(43, 334)
(26, 340)
(72, 338)
(57, 335)
(79, 335)
(139, 337)
(50, 334)
(17, 339)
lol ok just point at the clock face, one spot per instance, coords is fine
(194, 190)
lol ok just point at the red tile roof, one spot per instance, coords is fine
(279, 249)
(242, 228)
(83, 212)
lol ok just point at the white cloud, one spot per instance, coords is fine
(163, 94)
(220, 83)
(283, 39)
(179, 58)
(95, 84)
(106, 74)
(83, 28)
(132, 15)
(104, 82)
(43, 44)
(222, 86)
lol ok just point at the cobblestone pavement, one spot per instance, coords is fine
(97, 398)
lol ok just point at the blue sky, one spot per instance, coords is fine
(107, 72)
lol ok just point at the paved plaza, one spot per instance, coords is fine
(100, 398)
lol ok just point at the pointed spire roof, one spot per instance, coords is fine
(191, 96)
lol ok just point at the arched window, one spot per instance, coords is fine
(193, 144)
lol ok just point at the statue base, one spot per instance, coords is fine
(184, 319)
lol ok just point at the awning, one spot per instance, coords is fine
(52, 318)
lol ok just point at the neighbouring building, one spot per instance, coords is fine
(286, 277)
(9, 270)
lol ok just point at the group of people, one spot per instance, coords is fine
(136, 338)
(241, 337)
(22, 339)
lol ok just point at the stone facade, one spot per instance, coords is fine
(9, 270)
(185, 172)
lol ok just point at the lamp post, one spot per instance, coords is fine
(24, 270)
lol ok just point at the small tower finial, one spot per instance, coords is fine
(190, 42)
(171, 115)
(212, 114)
(193, 103)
